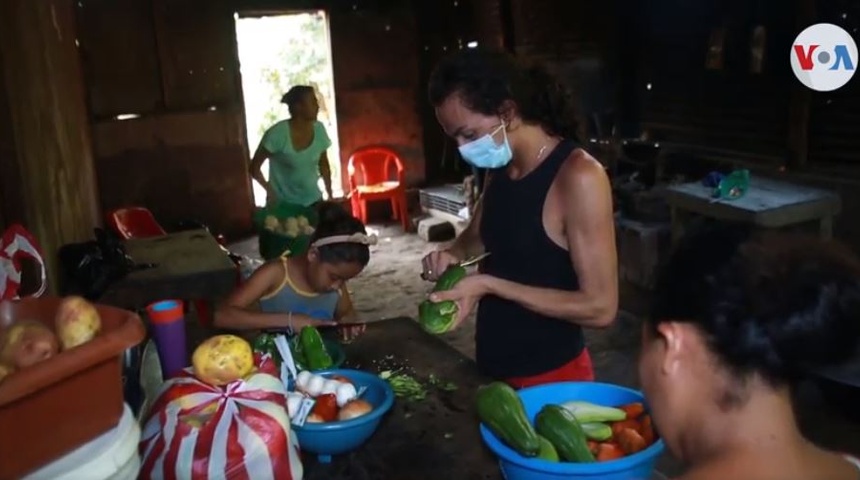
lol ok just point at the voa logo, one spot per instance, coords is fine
(823, 57)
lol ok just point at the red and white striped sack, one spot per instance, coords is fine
(196, 431)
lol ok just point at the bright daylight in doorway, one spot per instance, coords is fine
(275, 53)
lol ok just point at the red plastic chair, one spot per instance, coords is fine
(370, 180)
(134, 222)
(138, 222)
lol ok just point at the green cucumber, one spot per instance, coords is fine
(587, 412)
(560, 427)
(597, 431)
(547, 450)
(501, 410)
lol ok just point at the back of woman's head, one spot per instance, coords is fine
(335, 222)
(488, 81)
(296, 95)
(767, 304)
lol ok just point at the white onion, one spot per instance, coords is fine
(345, 393)
(330, 386)
(302, 379)
(315, 385)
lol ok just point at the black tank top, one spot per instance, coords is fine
(511, 340)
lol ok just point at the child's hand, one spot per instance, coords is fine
(300, 320)
(350, 332)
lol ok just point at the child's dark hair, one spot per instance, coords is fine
(334, 220)
(768, 304)
(296, 94)
(487, 79)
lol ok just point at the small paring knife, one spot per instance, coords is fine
(474, 260)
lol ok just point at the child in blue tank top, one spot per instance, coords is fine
(309, 289)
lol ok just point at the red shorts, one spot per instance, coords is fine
(579, 369)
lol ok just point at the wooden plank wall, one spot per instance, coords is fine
(834, 123)
(11, 207)
(729, 108)
(443, 28)
(576, 40)
(173, 64)
(52, 172)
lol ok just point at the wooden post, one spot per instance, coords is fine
(800, 100)
(42, 71)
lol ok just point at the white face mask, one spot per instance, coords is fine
(485, 153)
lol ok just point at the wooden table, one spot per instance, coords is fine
(436, 438)
(189, 265)
(768, 203)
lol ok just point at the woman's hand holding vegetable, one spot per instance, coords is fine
(466, 294)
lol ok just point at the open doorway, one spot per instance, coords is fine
(276, 52)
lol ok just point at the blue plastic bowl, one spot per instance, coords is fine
(334, 438)
(639, 466)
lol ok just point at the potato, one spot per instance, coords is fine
(222, 359)
(27, 343)
(5, 371)
(77, 322)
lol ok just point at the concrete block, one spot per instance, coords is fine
(641, 248)
(433, 229)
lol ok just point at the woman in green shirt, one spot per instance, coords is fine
(296, 150)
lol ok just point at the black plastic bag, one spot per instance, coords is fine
(90, 267)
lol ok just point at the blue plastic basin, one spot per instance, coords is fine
(334, 438)
(639, 466)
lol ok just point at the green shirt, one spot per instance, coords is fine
(294, 175)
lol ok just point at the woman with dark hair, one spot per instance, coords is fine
(737, 319)
(296, 149)
(308, 289)
(545, 217)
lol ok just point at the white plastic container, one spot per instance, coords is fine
(112, 456)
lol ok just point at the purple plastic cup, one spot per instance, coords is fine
(168, 327)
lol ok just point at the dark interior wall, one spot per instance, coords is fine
(443, 28)
(767, 116)
(767, 120)
(11, 210)
(577, 40)
(376, 82)
(574, 38)
(174, 64)
(730, 107)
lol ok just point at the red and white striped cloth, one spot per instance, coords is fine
(17, 243)
(195, 431)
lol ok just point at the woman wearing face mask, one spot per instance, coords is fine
(737, 319)
(545, 217)
(296, 149)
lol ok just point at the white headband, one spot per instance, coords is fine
(359, 238)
